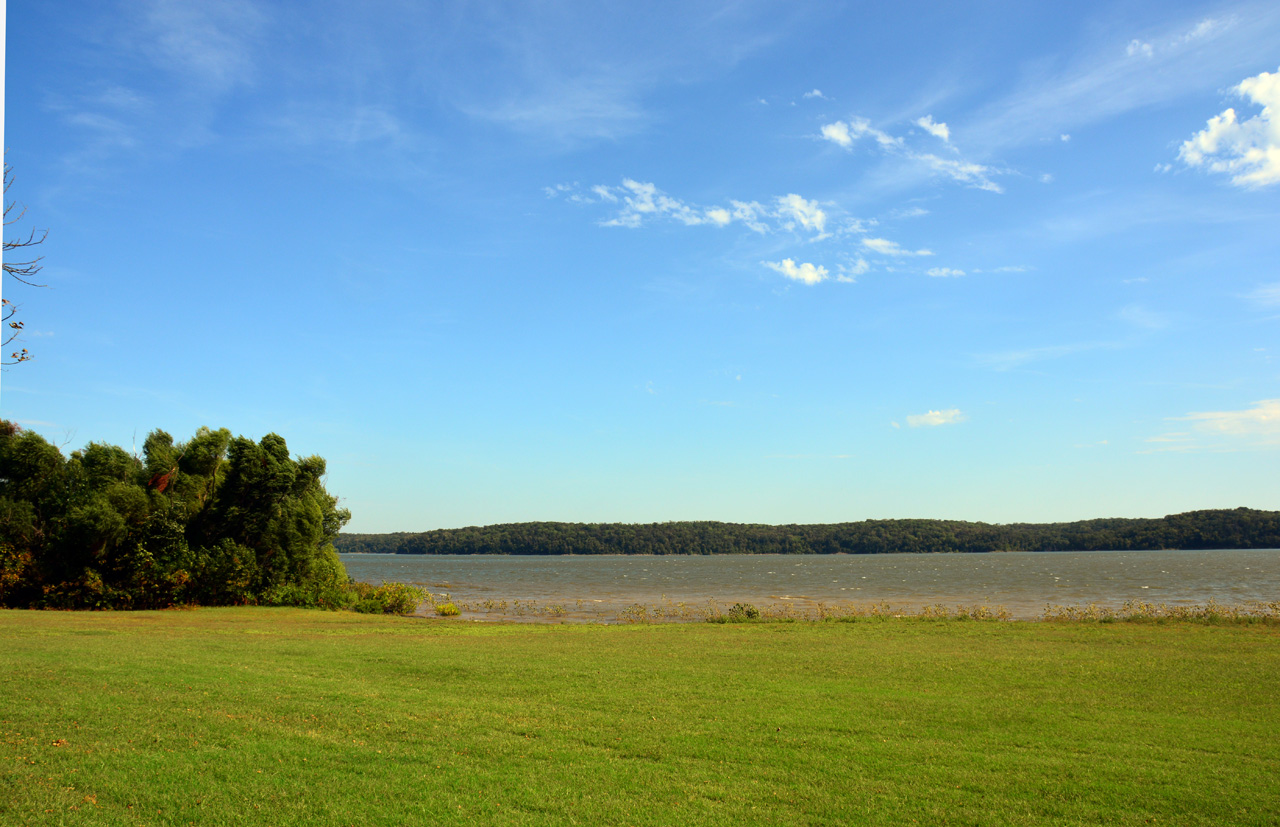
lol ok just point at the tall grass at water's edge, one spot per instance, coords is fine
(667, 611)
(280, 716)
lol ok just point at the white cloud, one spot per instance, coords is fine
(944, 272)
(909, 212)
(938, 130)
(1248, 151)
(1138, 47)
(1262, 420)
(639, 202)
(838, 133)
(1064, 137)
(643, 200)
(719, 216)
(807, 273)
(934, 418)
(816, 93)
(794, 209)
(845, 134)
(885, 247)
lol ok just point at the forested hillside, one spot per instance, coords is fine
(1235, 528)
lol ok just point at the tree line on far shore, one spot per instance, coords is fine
(1213, 529)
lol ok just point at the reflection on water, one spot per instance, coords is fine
(1023, 582)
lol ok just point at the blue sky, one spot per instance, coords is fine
(743, 261)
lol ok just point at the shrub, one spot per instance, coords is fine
(447, 610)
(389, 598)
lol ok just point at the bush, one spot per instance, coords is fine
(447, 610)
(389, 598)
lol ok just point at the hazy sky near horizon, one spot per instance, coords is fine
(590, 261)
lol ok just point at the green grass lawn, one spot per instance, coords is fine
(280, 716)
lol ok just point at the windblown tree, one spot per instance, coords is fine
(213, 520)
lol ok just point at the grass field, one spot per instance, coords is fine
(279, 716)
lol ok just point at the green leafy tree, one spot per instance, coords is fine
(212, 520)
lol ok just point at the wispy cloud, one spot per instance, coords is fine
(1142, 317)
(934, 418)
(331, 124)
(570, 110)
(1140, 47)
(210, 43)
(1266, 295)
(538, 73)
(966, 172)
(944, 272)
(1012, 359)
(1117, 75)
(816, 93)
(1260, 422)
(847, 133)
(849, 272)
(639, 201)
(1249, 150)
(885, 247)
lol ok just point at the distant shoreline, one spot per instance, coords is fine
(1240, 528)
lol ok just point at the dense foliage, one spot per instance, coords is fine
(1238, 528)
(215, 520)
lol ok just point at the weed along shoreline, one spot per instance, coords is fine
(593, 611)
(293, 716)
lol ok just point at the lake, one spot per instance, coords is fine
(596, 587)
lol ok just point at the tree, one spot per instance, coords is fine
(214, 520)
(23, 271)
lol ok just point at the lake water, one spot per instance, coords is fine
(597, 587)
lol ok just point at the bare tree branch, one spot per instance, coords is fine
(23, 271)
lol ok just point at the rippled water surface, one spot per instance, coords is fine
(1023, 582)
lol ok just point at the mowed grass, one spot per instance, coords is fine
(279, 716)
